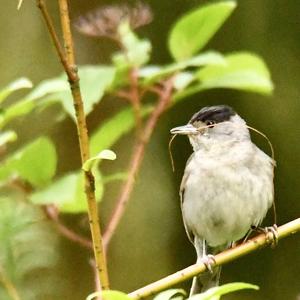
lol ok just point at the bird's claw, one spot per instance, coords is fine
(209, 261)
(271, 234)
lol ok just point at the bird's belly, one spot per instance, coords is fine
(220, 205)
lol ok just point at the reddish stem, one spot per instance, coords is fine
(52, 214)
(135, 162)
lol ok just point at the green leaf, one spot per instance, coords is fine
(94, 81)
(155, 73)
(18, 109)
(137, 51)
(49, 86)
(7, 137)
(24, 249)
(104, 154)
(182, 80)
(169, 294)
(193, 31)
(35, 163)
(216, 292)
(67, 193)
(109, 295)
(21, 83)
(244, 71)
(108, 133)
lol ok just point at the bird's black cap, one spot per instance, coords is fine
(216, 114)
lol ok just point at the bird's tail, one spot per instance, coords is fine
(205, 281)
(209, 279)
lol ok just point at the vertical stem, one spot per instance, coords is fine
(68, 62)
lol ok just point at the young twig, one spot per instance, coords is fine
(222, 258)
(68, 63)
(52, 214)
(136, 159)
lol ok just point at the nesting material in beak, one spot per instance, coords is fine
(185, 130)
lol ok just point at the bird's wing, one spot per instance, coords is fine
(181, 193)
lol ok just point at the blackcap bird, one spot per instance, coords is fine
(227, 186)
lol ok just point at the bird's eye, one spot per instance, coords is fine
(210, 123)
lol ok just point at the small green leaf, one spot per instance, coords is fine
(137, 51)
(104, 154)
(21, 83)
(107, 134)
(169, 294)
(244, 71)
(182, 80)
(156, 73)
(7, 137)
(35, 163)
(216, 292)
(192, 32)
(67, 193)
(109, 295)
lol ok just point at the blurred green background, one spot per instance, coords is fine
(150, 242)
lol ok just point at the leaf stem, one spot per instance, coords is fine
(136, 160)
(68, 63)
(222, 258)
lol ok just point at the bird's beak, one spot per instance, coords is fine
(186, 129)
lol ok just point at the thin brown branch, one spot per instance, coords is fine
(52, 214)
(227, 256)
(136, 160)
(59, 49)
(135, 100)
(71, 71)
(9, 286)
(66, 30)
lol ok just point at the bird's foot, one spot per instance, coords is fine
(271, 233)
(209, 261)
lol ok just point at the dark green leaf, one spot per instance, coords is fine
(192, 32)
(107, 134)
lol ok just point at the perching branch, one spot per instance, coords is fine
(68, 62)
(136, 160)
(226, 256)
